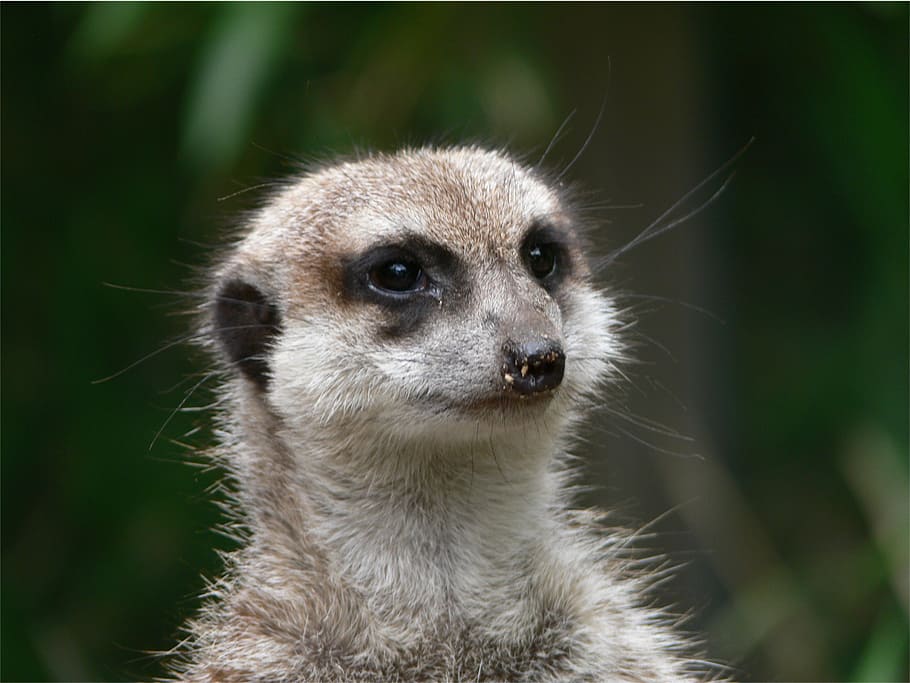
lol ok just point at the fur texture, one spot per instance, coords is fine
(405, 514)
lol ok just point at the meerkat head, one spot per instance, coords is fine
(433, 293)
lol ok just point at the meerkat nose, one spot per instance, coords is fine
(532, 367)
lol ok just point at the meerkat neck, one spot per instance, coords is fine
(427, 523)
(450, 525)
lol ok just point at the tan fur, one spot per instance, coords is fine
(403, 517)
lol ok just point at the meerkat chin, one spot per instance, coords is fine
(408, 342)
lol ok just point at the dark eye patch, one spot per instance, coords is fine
(545, 253)
(407, 279)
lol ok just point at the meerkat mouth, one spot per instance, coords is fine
(509, 403)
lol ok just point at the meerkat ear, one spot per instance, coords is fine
(244, 322)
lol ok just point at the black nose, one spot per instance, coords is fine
(532, 367)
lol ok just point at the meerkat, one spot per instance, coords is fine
(408, 343)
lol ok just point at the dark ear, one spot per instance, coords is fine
(244, 323)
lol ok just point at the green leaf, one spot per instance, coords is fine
(236, 62)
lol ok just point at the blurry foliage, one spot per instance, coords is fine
(124, 123)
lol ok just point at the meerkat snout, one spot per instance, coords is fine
(532, 367)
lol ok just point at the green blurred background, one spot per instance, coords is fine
(129, 129)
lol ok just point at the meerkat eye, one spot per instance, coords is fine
(541, 259)
(399, 276)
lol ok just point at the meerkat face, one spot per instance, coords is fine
(423, 292)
